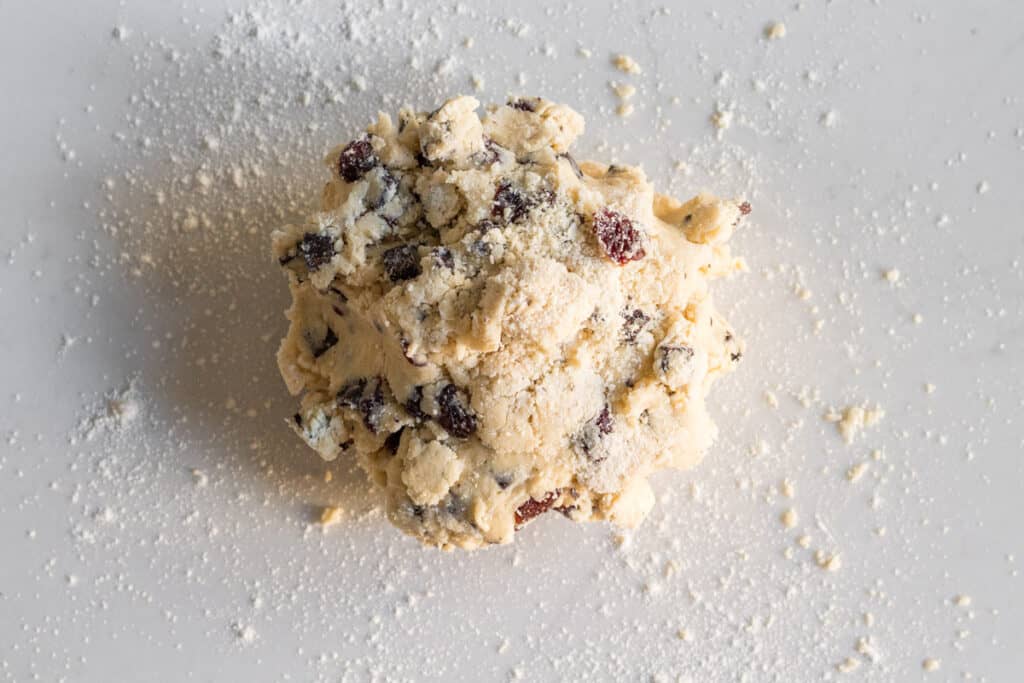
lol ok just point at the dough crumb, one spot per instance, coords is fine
(856, 472)
(892, 275)
(848, 665)
(931, 665)
(830, 562)
(684, 635)
(853, 419)
(789, 518)
(775, 31)
(330, 516)
(624, 109)
(622, 90)
(626, 64)
(722, 119)
(962, 601)
(787, 488)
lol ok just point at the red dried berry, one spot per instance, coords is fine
(356, 159)
(532, 508)
(745, 208)
(620, 240)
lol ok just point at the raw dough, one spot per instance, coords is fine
(495, 331)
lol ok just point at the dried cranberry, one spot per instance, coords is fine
(394, 439)
(590, 435)
(356, 159)
(452, 414)
(490, 154)
(745, 208)
(634, 323)
(504, 480)
(330, 339)
(533, 507)
(372, 405)
(317, 250)
(298, 419)
(510, 203)
(412, 404)
(350, 394)
(604, 421)
(523, 104)
(402, 262)
(443, 257)
(619, 239)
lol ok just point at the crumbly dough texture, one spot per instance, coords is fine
(494, 330)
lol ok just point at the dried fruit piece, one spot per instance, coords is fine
(635, 321)
(392, 442)
(621, 241)
(412, 404)
(402, 262)
(523, 103)
(356, 159)
(317, 249)
(329, 340)
(588, 439)
(443, 257)
(510, 203)
(452, 414)
(745, 208)
(533, 507)
(372, 405)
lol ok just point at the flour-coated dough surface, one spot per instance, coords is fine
(494, 330)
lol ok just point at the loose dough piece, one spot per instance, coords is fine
(494, 330)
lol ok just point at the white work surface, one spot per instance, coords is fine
(148, 149)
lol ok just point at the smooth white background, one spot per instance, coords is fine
(115, 565)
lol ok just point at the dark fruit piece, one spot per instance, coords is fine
(635, 321)
(490, 154)
(356, 159)
(443, 257)
(350, 394)
(523, 104)
(372, 405)
(593, 431)
(391, 443)
(533, 507)
(402, 262)
(745, 208)
(735, 357)
(604, 421)
(670, 355)
(298, 419)
(509, 203)
(316, 249)
(452, 414)
(620, 240)
(412, 404)
(330, 339)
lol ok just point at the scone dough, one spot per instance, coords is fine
(494, 330)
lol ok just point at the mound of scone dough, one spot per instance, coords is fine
(494, 330)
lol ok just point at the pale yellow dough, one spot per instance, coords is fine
(467, 323)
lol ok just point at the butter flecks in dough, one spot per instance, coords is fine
(494, 330)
